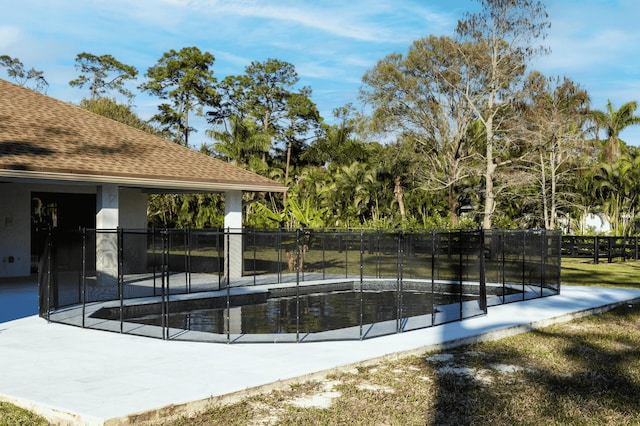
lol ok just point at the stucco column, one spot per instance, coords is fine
(233, 241)
(107, 203)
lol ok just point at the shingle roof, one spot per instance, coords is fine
(42, 138)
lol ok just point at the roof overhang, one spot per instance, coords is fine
(161, 185)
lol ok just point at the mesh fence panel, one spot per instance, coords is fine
(305, 285)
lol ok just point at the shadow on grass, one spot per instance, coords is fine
(583, 372)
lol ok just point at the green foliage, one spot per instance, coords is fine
(28, 78)
(122, 113)
(185, 211)
(614, 122)
(103, 73)
(11, 415)
(456, 122)
(185, 78)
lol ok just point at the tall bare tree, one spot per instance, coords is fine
(422, 98)
(503, 33)
(554, 126)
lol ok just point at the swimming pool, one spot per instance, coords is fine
(323, 311)
(311, 313)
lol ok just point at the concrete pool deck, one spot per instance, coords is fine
(79, 376)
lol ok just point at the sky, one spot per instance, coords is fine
(331, 43)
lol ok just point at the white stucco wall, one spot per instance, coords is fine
(15, 219)
(133, 209)
(15, 230)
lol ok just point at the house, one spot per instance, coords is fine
(66, 167)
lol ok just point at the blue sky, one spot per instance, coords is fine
(332, 43)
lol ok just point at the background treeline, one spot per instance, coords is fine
(456, 132)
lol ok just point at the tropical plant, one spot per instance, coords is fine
(614, 122)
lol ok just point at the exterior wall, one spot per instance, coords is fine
(133, 209)
(15, 230)
(15, 223)
(133, 215)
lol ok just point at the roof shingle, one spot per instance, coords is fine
(42, 136)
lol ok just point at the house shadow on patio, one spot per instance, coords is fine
(18, 297)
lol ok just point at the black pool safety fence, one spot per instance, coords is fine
(288, 286)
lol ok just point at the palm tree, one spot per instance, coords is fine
(241, 142)
(613, 185)
(614, 122)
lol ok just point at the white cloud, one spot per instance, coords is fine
(9, 35)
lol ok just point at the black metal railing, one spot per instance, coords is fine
(598, 247)
(288, 286)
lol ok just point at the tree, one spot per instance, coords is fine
(554, 126)
(301, 118)
(614, 122)
(259, 95)
(424, 98)
(269, 85)
(501, 36)
(260, 109)
(338, 143)
(103, 73)
(185, 79)
(615, 187)
(241, 142)
(122, 113)
(29, 78)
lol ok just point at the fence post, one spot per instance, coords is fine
(164, 283)
(346, 254)
(297, 266)
(361, 281)
(120, 275)
(483, 277)
(433, 279)
(543, 260)
(153, 255)
(324, 254)
(460, 270)
(596, 250)
(187, 258)
(228, 311)
(399, 283)
(255, 254)
(84, 275)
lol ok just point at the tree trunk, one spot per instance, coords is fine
(453, 206)
(489, 196)
(543, 191)
(399, 196)
(553, 219)
(286, 171)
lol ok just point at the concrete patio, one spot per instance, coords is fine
(79, 376)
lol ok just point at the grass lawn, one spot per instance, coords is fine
(583, 372)
(585, 272)
(11, 415)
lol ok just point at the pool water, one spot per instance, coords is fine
(317, 312)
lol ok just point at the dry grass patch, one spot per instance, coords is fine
(582, 372)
